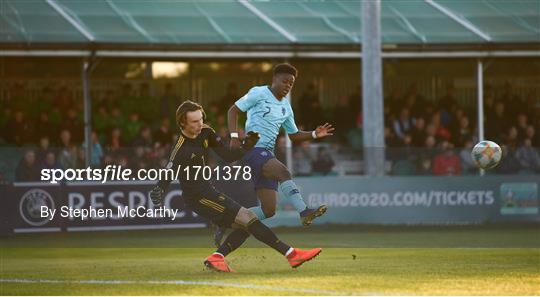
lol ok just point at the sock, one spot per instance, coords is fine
(291, 193)
(258, 212)
(289, 252)
(232, 242)
(265, 235)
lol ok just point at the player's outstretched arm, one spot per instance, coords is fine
(232, 154)
(321, 132)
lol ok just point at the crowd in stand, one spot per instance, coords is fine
(136, 130)
(435, 137)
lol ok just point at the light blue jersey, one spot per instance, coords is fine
(266, 115)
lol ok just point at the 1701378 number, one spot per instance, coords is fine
(234, 172)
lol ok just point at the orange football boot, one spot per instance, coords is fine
(297, 257)
(216, 262)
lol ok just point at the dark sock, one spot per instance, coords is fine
(265, 235)
(233, 241)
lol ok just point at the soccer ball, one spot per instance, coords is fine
(486, 154)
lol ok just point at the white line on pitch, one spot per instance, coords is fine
(171, 282)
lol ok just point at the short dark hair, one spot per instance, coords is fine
(285, 68)
(184, 108)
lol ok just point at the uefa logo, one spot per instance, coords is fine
(30, 206)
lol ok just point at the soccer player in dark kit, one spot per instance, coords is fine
(191, 150)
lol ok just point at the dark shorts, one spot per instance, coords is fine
(213, 205)
(256, 158)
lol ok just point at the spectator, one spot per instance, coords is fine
(68, 156)
(101, 120)
(145, 138)
(403, 124)
(116, 119)
(324, 163)
(467, 163)
(302, 160)
(521, 125)
(74, 125)
(441, 132)
(528, 157)
(163, 134)
(429, 146)
(81, 157)
(132, 127)
(115, 142)
(19, 130)
(446, 162)
(464, 132)
(509, 163)
(418, 133)
(97, 151)
(43, 149)
(27, 169)
(512, 137)
(530, 133)
(44, 128)
(50, 162)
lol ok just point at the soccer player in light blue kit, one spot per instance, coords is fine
(268, 110)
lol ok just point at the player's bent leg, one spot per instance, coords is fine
(274, 169)
(261, 232)
(247, 220)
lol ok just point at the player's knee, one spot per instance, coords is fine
(269, 211)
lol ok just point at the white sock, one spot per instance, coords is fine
(289, 251)
(216, 253)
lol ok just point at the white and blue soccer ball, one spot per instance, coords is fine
(486, 154)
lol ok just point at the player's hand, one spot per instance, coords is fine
(235, 143)
(250, 141)
(156, 195)
(324, 130)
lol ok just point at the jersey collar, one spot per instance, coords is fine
(269, 90)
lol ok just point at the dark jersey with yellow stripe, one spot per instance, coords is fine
(190, 152)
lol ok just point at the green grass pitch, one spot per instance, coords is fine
(356, 260)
